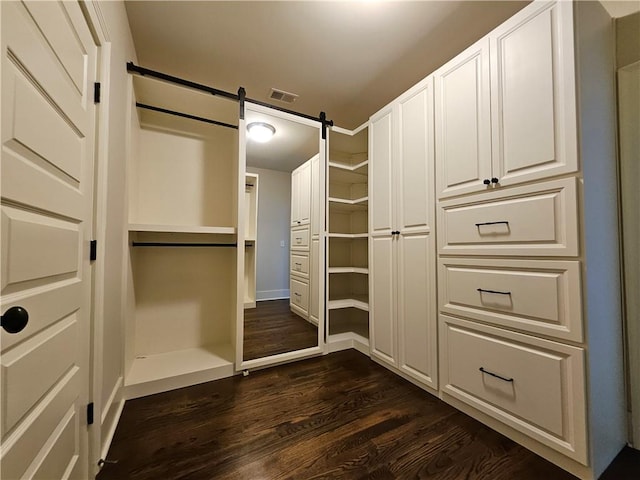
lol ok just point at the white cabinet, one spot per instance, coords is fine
(301, 195)
(529, 284)
(505, 107)
(402, 248)
(305, 228)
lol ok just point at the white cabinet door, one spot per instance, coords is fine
(533, 95)
(48, 124)
(295, 198)
(415, 160)
(381, 155)
(463, 122)
(382, 314)
(304, 193)
(301, 195)
(417, 313)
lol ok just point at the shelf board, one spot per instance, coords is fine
(364, 201)
(146, 227)
(347, 235)
(357, 168)
(167, 371)
(360, 302)
(362, 270)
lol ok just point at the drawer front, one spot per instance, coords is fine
(300, 238)
(300, 264)
(531, 220)
(535, 386)
(541, 297)
(300, 294)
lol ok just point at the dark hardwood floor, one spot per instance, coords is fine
(337, 416)
(272, 328)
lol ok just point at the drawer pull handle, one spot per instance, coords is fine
(482, 290)
(492, 223)
(296, 294)
(298, 264)
(495, 375)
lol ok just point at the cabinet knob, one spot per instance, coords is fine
(486, 181)
(494, 180)
(14, 320)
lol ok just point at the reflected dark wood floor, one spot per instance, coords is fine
(338, 416)
(272, 328)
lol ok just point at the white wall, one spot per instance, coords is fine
(274, 218)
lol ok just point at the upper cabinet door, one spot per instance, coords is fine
(415, 160)
(301, 195)
(381, 172)
(533, 95)
(463, 122)
(304, 192)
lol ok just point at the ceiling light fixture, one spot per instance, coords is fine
(260, 131)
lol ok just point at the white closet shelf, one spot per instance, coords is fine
(347, 235)
(358, 167)
(146, 227)
(362, 270)
(344, 204)
(360, 302)
(179, 368)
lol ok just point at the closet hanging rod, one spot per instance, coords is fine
(176, 244)
(132, 68)
(185, 115)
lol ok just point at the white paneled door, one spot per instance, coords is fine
(48, 124)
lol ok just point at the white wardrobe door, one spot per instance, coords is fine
(382, 315)
(381, 173)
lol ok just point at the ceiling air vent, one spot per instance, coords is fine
(282, 96)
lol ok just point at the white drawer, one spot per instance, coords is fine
(300, 263)
(538, 219)
(532, 385)
(536, 296)
(300, 294)
(300, 238)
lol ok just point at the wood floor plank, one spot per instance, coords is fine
(341, 416)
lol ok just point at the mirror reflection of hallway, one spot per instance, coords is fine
(281, 269)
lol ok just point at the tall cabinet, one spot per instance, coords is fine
(402, 246)
(530, 334)
(305, 240)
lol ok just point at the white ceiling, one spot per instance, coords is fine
(345, 58)
(293, 143)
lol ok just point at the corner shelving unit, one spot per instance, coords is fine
(347, 259)
(181, 285)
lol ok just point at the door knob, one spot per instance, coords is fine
(486, 181)
(14, 320)
(494, 180)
